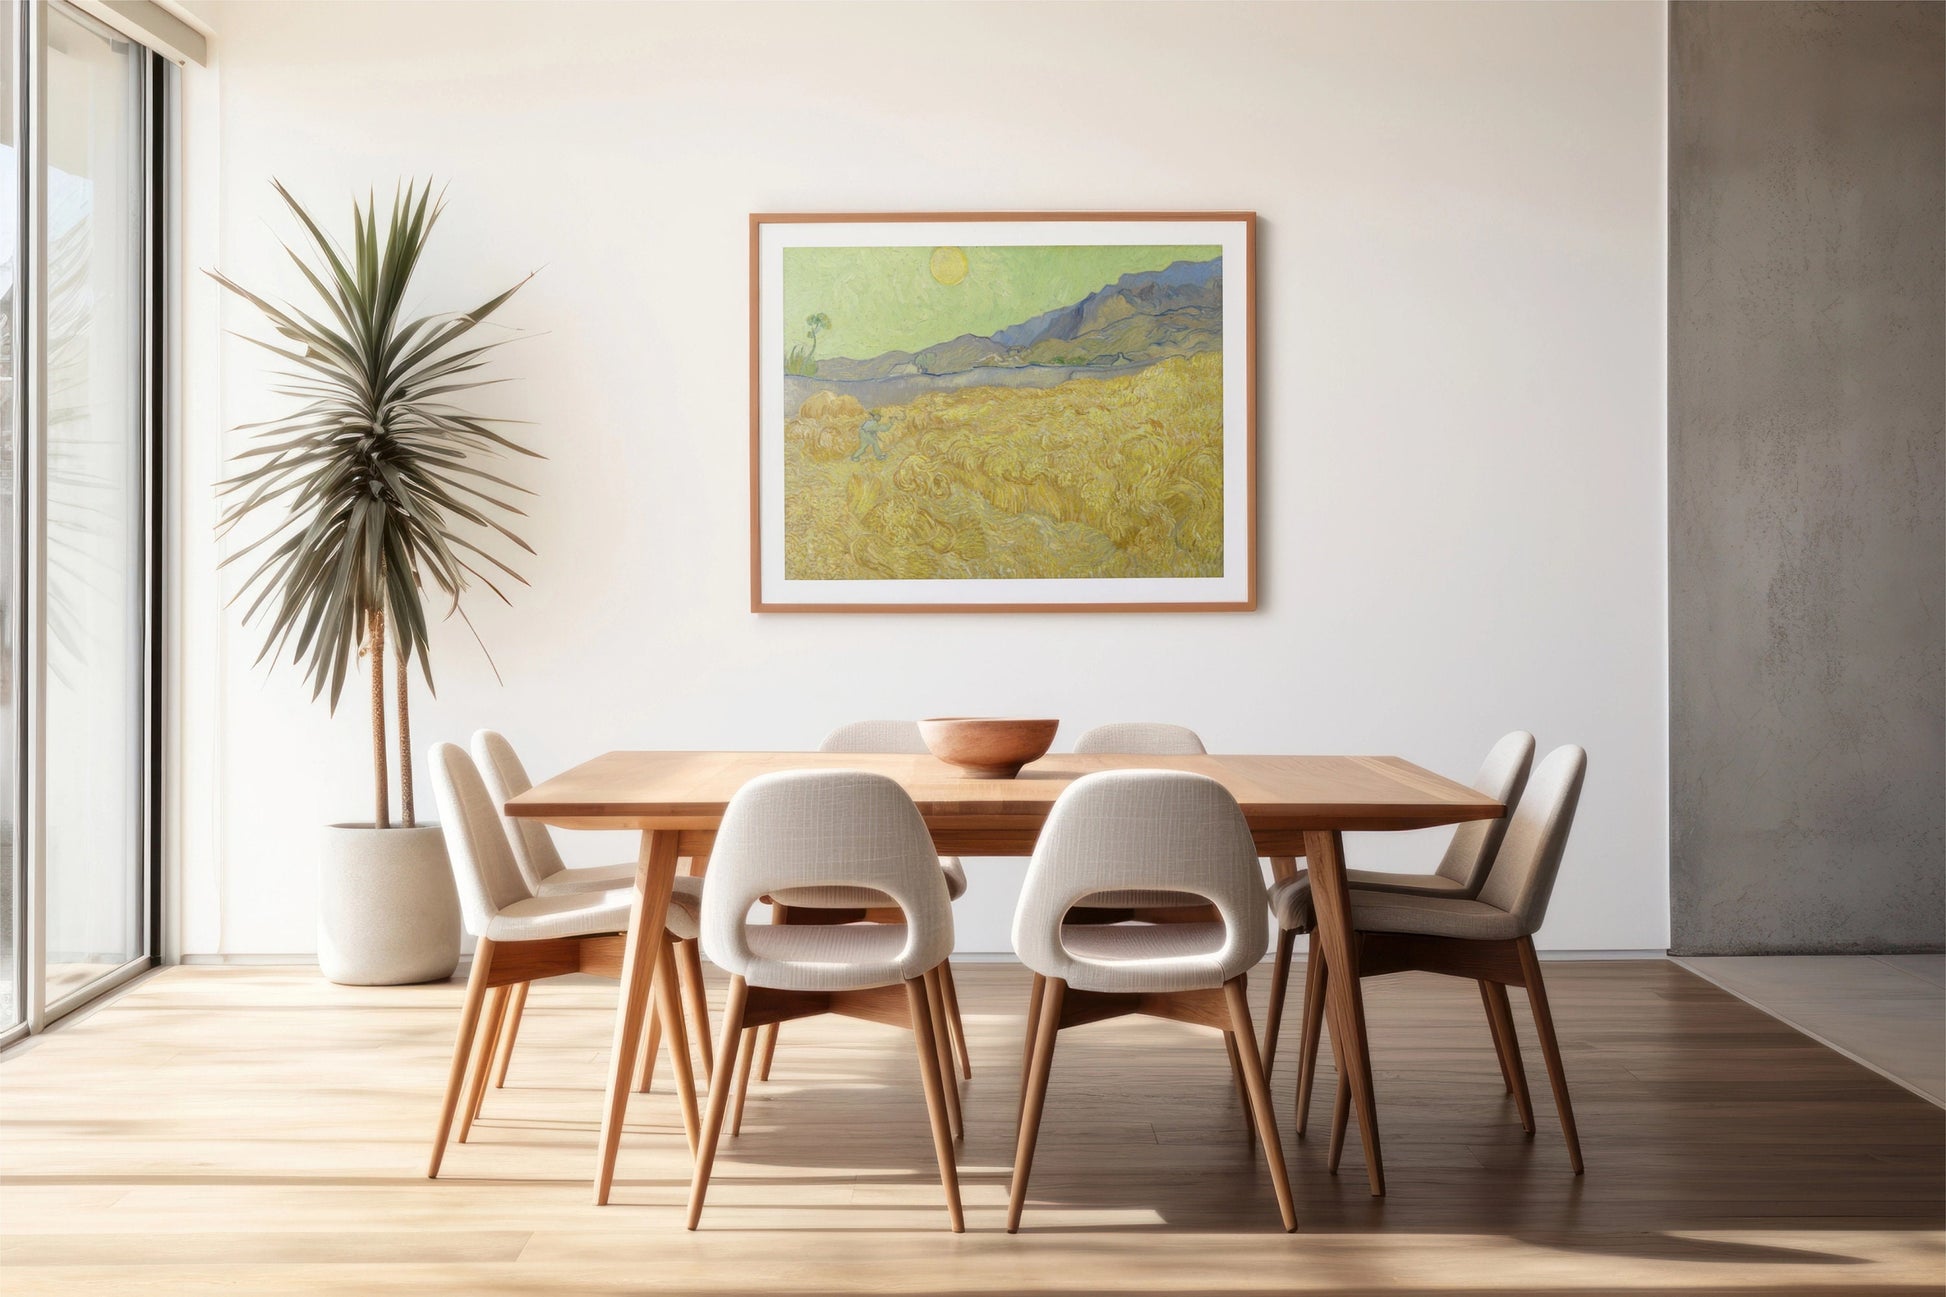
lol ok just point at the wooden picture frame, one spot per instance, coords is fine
(1003, 412)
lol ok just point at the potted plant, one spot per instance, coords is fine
(374, 492)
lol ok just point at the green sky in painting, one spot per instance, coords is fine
(888, 299)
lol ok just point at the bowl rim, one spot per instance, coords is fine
(989, 720)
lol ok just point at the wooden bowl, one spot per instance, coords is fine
(988, 747)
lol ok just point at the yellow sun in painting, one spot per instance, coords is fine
(948, 265)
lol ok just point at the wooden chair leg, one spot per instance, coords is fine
(778, 914)
(668, 1006)
(1493, 1028)
(1040, 1065)
(949, 1077)
(1557, 1077)
(1236, 1078)
(1506, 1043)
(746, 1050)
(1244, 1035)
(689, 962)
(645, 1055)
(769, 1050)
(507, 1033)
(483, 1060)
(719, 1100)
(1316, 976)
(1035, 995)
(1280, 977)
(919, 1005)
(469, 1024)
(953, 1021)
(1340, 1121)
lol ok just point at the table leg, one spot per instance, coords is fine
(655, 876)
(698, 867)
(1344, 1001)
(1281, 868)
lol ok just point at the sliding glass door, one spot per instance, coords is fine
(93, 587)
(80, 593)
(13, 964)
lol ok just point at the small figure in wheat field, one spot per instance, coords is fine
(868, 433)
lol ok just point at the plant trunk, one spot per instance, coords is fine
(375, 645)
(405, 743)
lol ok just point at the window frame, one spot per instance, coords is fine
(155, 90)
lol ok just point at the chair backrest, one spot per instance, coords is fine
(1521, 878)
(1502, 777)
(875, 736)
(483, 864)
(1162, 830)
(878, 736)
(506, 778)
(1145, 738)
(822, 828)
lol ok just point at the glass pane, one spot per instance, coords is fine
(11, 981)
(93, 542)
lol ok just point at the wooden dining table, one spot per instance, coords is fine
(1297, 806)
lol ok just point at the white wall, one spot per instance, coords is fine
(1460, 360)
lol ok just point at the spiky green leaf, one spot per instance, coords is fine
(366, 481)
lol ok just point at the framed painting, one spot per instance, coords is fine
(960, 412)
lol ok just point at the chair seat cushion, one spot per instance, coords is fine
(1142, 943)
(1290, 898)
(1134, 898)
(864, 898)
(584, 914)
(1408, 912)
(825, 957)
(592, 878)
(1433, 916)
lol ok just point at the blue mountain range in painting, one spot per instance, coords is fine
(1139, 319)
(1183, 285)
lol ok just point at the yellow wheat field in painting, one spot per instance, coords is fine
(1111, 477)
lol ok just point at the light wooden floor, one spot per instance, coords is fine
(255, 1130)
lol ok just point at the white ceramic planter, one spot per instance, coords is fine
(388, 912)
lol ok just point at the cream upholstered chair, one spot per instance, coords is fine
(1147, 905)
(1143, 829)
(830, 828)
(522, 936)
(823, 905)
(1489, 939)
(1461, 873)
(533, 846)
(547, 874)
(1147, 739)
